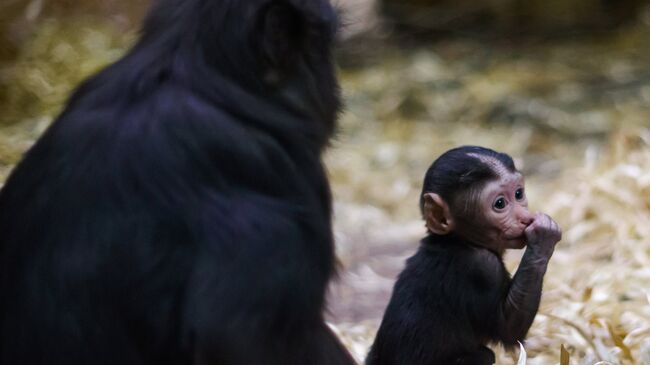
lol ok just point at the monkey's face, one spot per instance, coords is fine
(504, 212)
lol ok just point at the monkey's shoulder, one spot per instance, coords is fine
(454, 262)
(487, 271)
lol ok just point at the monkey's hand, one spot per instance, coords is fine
(542, 235)
(522, 300)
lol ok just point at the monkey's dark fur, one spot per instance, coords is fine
(454, 296)
(177, 211)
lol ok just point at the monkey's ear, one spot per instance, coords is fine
(281, 33)
(437, 214)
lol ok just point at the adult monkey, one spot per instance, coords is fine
(177, 211)
(455, 294)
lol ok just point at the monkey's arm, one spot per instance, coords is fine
(521, 302)
(522, 299)
(247, 290)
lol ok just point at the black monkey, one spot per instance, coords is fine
(455, 294)
(178, 211)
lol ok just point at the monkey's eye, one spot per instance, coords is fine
(519, 194)
(500, 204)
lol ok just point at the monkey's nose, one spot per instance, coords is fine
(525, 217)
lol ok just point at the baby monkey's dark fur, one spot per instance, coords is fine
(455, 295)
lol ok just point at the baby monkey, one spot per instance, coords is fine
(455, 295)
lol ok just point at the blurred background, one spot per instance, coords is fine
(561, 85)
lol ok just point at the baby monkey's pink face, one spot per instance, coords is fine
(504, 208)
(495, 217)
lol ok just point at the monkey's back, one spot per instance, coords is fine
(129, 206)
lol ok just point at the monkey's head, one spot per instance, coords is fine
(280, 49)
(477, 194)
